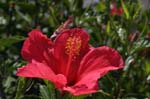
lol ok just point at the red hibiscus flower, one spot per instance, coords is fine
(115, 10)
(68, 61)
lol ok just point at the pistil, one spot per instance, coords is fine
(73, 46)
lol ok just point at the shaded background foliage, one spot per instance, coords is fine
(128, 33)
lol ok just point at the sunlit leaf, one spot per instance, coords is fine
(125, 9)
(101, 7)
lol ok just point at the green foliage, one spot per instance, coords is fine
(126, 33)
(47, 91)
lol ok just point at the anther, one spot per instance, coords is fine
(73, 45)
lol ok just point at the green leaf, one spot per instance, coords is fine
(44, 92)
(130, 98)
(48, 91)
(125, 10)
(108, 28)
(138, 10)
(20, 87)
(6, 42)
(8, 81)
(101, 7)
(140, 45)
(128, 61)
(79, 97)
(69, 96)
(147, 67)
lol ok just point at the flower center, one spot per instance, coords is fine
(73, 45)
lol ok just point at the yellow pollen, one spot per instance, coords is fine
(73, 45)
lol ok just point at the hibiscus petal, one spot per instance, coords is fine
(67, 55)
(40, 70)
(35, 46)
(81, 89)
(94, 65)
(101, 58)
